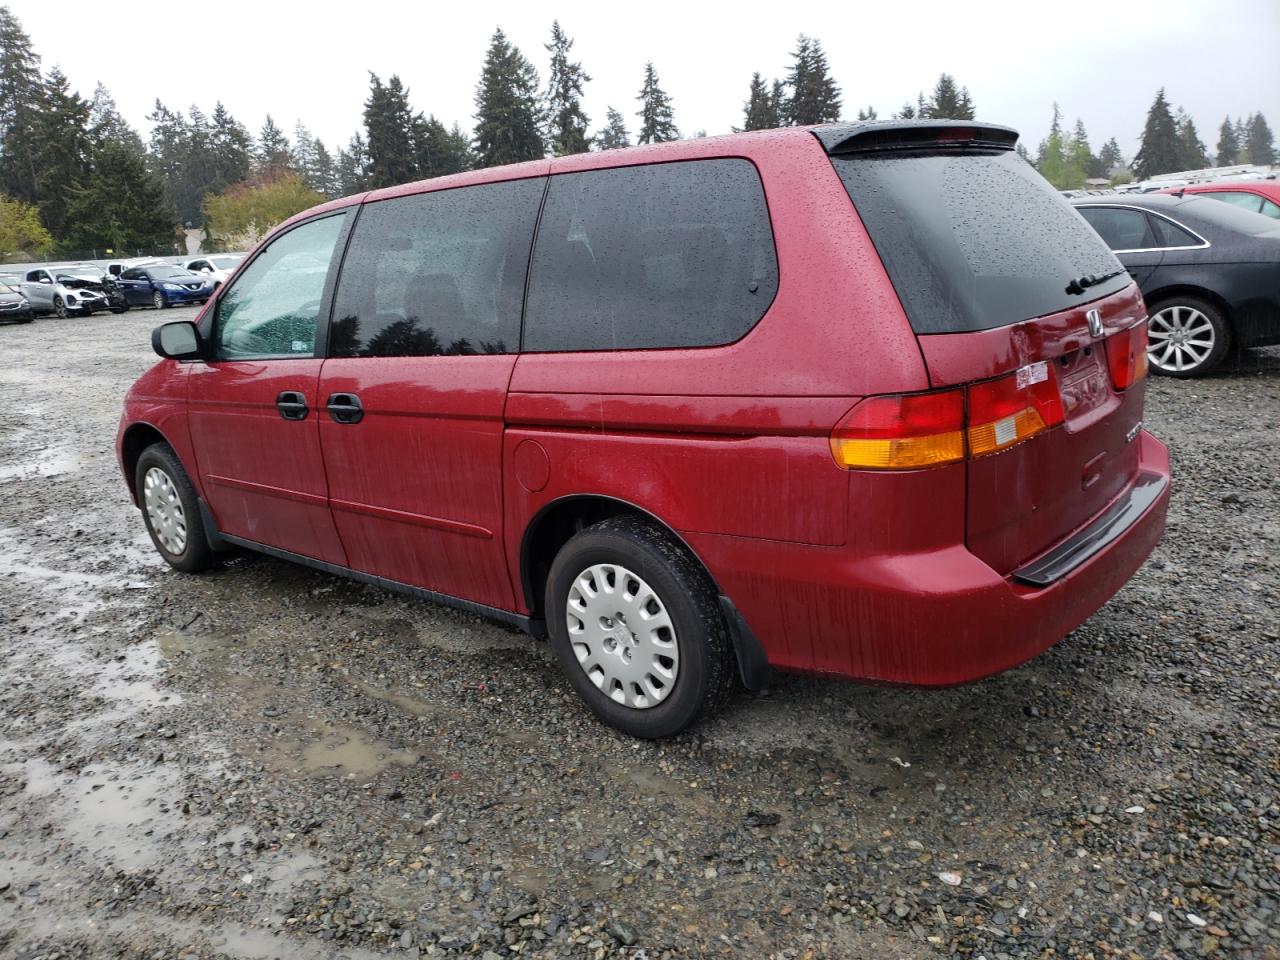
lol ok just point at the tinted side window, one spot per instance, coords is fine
(437, 274)
(665, 255)
(1169, 234)
(131, 275)
(271, 309)
(1122, 229)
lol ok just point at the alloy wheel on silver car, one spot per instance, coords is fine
(622, 636)
(1180, 338)
(164, 510)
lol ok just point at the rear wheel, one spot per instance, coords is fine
(1187, 337)
(637, 628)
(159, 300)
(171, 510)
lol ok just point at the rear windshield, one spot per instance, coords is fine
(975, 241)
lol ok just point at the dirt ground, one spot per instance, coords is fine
(265, 761)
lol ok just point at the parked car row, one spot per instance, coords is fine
(85, 289)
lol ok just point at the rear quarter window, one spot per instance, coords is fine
(974, 241)
(647, 257)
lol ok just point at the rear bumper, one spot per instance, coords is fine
(933, 618)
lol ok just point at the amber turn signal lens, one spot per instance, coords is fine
(901, 432)
(1012, 409)
(1127, 355)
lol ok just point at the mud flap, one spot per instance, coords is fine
(753, 666)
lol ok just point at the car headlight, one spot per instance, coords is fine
(172, 286)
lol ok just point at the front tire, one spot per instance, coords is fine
(60, 308)
(159, 300)
(171, 510)
(636, 625)
(1187, 337)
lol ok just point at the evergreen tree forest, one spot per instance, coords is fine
(76, 176)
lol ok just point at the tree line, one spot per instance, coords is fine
(74, 174)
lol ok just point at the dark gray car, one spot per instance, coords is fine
(1209, 271)
(14, 307)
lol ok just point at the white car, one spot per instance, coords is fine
(76, 292)
(217, 267)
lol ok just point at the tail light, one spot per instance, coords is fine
(1127, 355)
(901, 432)
(910, 431)
(1012, 409)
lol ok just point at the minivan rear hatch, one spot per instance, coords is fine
(1012, 294)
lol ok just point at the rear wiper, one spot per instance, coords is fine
(1080, 284)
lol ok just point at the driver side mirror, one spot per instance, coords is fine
(45, 280)
(179, 340)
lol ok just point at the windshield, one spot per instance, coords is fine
(78, 280)
(8, 288)
(975, 241)
(169, 273)
(1227, 215)
(225, 263)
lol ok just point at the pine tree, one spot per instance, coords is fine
(167, 152)
(62, 146)
(814, 97)
(867, 114)
(1228, 151)
(906, 112)
(1079, 154)
(948, 102)
(324, 172)
(614, 136)
(302, 154)
(1054, 161)
(508, 115)
(1158, 152)
(566, 123)
(1260, 143)
(121, 206)
(353, 167)
(1192, 154)
(439, 151)
(389, 132)
(107, 123)
(761, 109)
(1109, 158)
(657, 121)
(778, 102)
(1242, 136)
(1021, 150)
(272, 156)
(21, 103)
(232, 150)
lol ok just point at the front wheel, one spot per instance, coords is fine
(171, 510)
(635, 623)
(1187, 337)
(159, 300)
(60, 308)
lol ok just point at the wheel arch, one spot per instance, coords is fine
(1171, 291)
(136, 438)
(558, 520)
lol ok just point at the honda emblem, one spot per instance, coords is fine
(1095, 323)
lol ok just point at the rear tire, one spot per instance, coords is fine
(171, 510)
(671, 664)
(159, 300)
(1188, 337)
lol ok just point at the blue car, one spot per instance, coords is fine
(162, 285)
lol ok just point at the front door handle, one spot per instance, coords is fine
(292, 405)
(345, 408)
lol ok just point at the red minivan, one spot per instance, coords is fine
(860, 399)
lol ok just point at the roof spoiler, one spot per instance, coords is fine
(884, 135)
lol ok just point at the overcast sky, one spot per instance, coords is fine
(311, 61)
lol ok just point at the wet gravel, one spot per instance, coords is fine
(265, 761)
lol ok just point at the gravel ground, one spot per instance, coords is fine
(270, 762)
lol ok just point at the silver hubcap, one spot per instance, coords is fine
(622, 636)
(164, 510)
(1180, 339)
